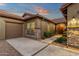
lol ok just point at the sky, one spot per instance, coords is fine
(49, 10)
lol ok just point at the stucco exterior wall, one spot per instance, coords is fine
(41, 26)
(60, 28)
(73, 11)
(2, 29)
(2, 25)
(37, 32)
(10, 20)
(44, 26)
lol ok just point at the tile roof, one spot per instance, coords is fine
(65, 5)
(28, 16)
(59, 20)
(4, 13)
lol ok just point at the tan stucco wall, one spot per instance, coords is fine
(10, 20)
(2, 25)
(2, 29)
(40, 27)
(73, 10)
(60, 27)
(37, 34)
(45, 24)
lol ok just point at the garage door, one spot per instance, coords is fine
(13, 30)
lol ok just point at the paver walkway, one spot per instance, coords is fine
(26, 46)
(7, 50)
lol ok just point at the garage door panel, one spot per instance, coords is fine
(13, 30)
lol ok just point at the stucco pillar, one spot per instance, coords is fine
(55, 29)
(24, 25)
(38, 29)
(2, 29)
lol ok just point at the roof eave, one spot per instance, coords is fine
(64, 8)
(39, 16)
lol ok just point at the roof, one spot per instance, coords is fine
(27, 16)
(36, 16)
(31, 16)
(59, 20)
(4, 13)
(64, 8)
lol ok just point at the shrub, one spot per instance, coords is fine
(49, 34)
(61, 40)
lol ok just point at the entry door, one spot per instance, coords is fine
(13, 30)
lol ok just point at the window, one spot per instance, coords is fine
(31, 28)
(28, 26)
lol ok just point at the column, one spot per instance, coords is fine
(38, 29)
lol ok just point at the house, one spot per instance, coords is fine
(36, 25)
(11, 25)
(71, 13)
(28, 25)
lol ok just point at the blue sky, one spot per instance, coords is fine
(20, 8)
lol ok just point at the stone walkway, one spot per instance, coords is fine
(7, 50)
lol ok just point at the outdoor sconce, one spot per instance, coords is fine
(73, 21)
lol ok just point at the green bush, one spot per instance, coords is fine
(61, 40)
(49, 34)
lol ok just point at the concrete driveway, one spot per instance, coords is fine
(30, 47)
(26, 46)
(56, 51)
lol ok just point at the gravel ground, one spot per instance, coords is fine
(7, 50)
